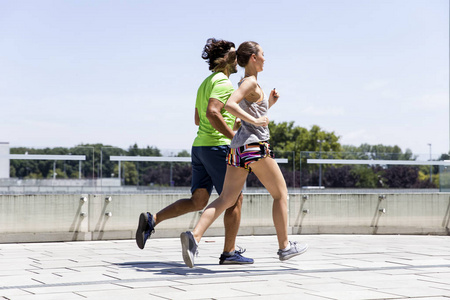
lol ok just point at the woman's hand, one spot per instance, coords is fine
(237, 124)
(273, 98)
(261, 121)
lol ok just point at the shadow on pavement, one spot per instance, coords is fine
(174, 268)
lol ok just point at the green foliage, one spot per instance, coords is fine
(366, 176)
(12, 171)
(59, 174)
(391, 176)
(97, 163)
(366, 151)
(425, 177)
(184, 153)
(129, 172)
(149, 151)
(286, 138)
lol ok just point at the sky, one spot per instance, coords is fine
(126, 72)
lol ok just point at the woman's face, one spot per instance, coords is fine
(259, 63)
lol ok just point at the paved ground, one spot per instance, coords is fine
(335, 267)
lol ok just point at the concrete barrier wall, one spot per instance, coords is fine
(370, 213)
(33, 218)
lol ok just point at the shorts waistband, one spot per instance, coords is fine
(242, 148)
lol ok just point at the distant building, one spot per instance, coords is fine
(4, 160)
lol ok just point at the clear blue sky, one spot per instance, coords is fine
(125, 72)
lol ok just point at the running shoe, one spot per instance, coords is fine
(296, 249)
(189, 248)
(146, 227)
(235, 259)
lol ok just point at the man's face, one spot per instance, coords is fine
(233, 67)
(232, 61)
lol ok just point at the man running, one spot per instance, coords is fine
(209, 152)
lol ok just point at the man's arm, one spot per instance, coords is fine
(216, 119)
(197, 117)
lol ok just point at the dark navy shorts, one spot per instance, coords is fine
(209, 166)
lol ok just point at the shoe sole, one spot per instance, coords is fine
(226, 262)
(294, 254)
(188, 259)
(140, 232)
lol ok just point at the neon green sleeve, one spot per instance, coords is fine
(222, 90)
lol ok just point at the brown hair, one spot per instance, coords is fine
(217, 53)
(245, 51)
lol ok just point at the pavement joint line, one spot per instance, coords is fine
(230, 274)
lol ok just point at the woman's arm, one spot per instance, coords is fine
(238, 95)
(273, 98)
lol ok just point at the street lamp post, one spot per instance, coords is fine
(320, 165)
(431, 167)
(171, 172)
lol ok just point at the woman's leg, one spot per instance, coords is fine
(232, 186)
(270, 175)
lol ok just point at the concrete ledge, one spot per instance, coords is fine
(29, 237)
(38, 218)
(368, 230)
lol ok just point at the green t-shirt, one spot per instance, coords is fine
(217, 86)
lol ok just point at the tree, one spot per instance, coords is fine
(182, 174)
(286, 139)
(183, 153)
(367, 177)
(392, 176)
(339, 177)
(366, 151)
(401, 176)
(129, 173)
(96, 155)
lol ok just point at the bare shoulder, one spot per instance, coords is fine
(250, 81)
(250, 89)
(248, 84)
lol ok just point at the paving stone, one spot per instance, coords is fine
(355, 295)
(58, 296)
(335, 267)
(112, 288)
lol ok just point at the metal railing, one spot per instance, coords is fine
(110, 168)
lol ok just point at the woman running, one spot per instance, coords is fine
(249, 152)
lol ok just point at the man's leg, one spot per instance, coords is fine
(232, 221)
(201, 187)
(197, 202)
(147, 221)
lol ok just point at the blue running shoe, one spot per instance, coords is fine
(235, 259)
(146, 227)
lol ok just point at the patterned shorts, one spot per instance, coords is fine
(243, 156)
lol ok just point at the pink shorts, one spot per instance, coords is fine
(243, 156)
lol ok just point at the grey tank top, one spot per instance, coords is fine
(249, 133)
